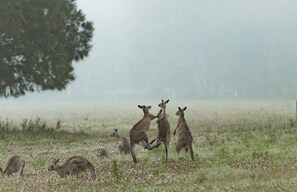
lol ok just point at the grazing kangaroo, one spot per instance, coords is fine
(74, 165)
(14, 164)
(163, 128)
(123, 142)
(103, 153)
(138, 132)
(185, 138)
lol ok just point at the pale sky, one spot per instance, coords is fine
(140, 44)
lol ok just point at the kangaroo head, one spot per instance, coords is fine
(54, 166)
(163, 104)
(115, 133)
(145, 108)
(3, 172)
(102, 152)
(180, 111)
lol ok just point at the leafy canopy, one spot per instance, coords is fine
(39, 40)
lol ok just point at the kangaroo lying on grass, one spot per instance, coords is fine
(163, 128)
(184, 138)
(73, 166)
(123, 142)
(103, 153)
(14, 164)
(138, 133)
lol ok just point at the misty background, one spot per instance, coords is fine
(190, 49)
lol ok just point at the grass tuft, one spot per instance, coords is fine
(250, 147)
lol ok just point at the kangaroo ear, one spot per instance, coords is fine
(167, 101)
(140, 106)
(162, 101)
(116, 130)
(1, 170)
(179, 108)
(55, 161)
(184, 108)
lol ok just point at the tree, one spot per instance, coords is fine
(39, 40)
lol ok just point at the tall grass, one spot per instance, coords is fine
(38, 129)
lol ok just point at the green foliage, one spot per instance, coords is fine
(39, 162)
(39, 39)
(115, 170)
(291, 123)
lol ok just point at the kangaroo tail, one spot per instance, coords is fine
(132, 147)
(191, 150)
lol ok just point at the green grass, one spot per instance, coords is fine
(238, 146)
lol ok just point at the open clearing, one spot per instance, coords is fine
(239, 146)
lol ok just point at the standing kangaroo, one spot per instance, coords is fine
(123, 142)
(185, 138)
(138, 132)
(74, 165)
(163, 128)
(14, 164)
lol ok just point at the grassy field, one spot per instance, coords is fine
(238, 145)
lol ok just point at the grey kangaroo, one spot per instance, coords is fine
(184, 137)
(123, 142)
(14, 164)
(138, 133)
(73, 166)
(163, 128)
(103, 153)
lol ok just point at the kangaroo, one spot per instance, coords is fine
(74, 165)
(123, 142)
(103, 153)
(163, 128)
(138, 133)
(185, 138)
(14, 164)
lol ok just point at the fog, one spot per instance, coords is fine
(190, 49)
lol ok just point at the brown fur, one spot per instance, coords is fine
(138, 133)
(103, 153)
(14, 164)
(185, 138)
(123, 142)
(74, 165)
(163, 128)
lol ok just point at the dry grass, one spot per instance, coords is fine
(238, 145)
